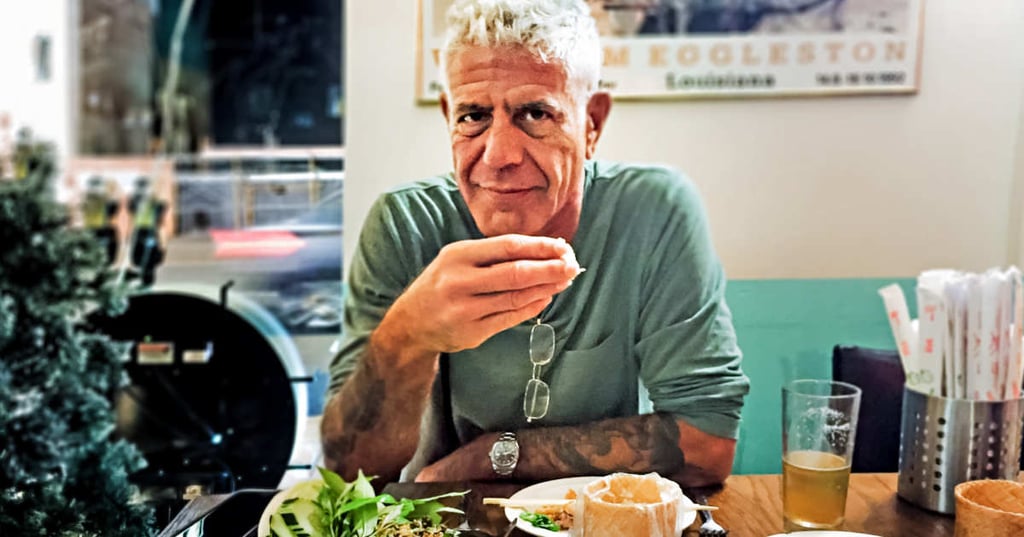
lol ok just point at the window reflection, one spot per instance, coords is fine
(117, 70)
(245, 150)
(272, 224)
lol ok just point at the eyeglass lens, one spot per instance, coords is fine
(535, 401)
(542, 349)
(542, 344)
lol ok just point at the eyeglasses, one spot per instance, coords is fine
(542, 349)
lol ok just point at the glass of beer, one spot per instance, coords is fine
(819, 420)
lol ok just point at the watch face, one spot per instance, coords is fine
(505, 453)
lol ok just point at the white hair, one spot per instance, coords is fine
(561, 31)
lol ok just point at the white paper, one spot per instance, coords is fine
(931, 317)
(968, 339)
(934, 283)
(1004, 318)
(956, 295)
(975, 381)
(1016, 365)
(987, 383)
(899, 321)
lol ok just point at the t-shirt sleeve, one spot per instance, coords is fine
(375, 279)
(689, 356)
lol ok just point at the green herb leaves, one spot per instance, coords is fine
(334, 507)
(540, 521)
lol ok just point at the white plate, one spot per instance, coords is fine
(557, 489)
(824, 534)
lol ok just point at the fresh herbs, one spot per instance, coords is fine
(334, 507)
(540, 521)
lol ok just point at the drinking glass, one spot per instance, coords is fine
(819, 420)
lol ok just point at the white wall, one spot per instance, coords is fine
(44, 106)
(1017, 194)
(388, 138)
(802, 188)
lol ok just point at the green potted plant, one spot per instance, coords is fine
(61, 472)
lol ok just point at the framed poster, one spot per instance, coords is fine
(657, 49)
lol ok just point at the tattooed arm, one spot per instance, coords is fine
(639, 444)
(373, 422)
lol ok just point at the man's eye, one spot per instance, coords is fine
(472, 117)
(535, 114)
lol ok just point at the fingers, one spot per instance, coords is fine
(508, 263)
(511, 301)
(492, 250)
(477, 288)
(497, 322)
(524, 274)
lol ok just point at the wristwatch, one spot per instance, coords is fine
(505, 454)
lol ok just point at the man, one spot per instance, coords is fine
(448, 365)
(99, 208)
(146, 250)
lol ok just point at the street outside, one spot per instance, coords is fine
(190, 260)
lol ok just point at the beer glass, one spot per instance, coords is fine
(819, 420)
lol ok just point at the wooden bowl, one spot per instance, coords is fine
(989, 508)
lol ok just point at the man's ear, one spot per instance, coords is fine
(444, 107)
(598, 107)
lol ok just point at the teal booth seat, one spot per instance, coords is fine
(787, 329)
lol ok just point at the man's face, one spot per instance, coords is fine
(519, 141)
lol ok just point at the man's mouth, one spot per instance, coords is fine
(508, 191)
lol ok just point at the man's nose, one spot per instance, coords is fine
(504, 145)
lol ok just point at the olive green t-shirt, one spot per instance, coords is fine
(647, 322)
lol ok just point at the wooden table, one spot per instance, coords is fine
(750, 506)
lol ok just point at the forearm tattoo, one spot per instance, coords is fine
(363, 398)
(648, 443)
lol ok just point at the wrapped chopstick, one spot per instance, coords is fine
(533, 503)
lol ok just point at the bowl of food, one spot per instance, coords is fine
(613, 505)
(630, 504)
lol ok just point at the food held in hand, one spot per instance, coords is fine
(629, 504)
(570, 260)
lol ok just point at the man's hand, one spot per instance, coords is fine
(475, 289)
(470, 462)
(638, 444)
